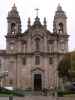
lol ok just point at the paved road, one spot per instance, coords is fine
(4, 98)
(38, 98)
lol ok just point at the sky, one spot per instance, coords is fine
(26, 8)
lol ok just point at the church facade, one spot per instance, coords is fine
(31, 58)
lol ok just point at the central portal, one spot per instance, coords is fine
(37, 82)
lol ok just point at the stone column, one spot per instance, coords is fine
(46, 73)
(55, 71)
(18, 71)
(9, 27)
(19, 46)
(29, 45)
(45, 44)
(55, 46)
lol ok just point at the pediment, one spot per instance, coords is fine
(37, 69)
(38, 33)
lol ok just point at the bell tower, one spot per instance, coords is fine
(14, 22)
(14, 29)
(59, 23)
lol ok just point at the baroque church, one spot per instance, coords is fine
(31, 58)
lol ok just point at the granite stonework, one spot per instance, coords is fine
(31, 58)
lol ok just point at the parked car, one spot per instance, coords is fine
(70, 86)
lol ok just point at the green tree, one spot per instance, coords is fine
(66, 67)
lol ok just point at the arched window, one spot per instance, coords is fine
(13, 28)
(60, 27)
(37, 43)
(10, 81)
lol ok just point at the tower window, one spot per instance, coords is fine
(24, 61)
(37, 60)
(37, 42)
(13, 28)
(60, 27)
(50, 60)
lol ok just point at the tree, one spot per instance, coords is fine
(66, 67)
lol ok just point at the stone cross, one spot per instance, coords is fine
(14, 1)
(37, 11)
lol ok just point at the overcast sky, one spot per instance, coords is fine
(47, 9)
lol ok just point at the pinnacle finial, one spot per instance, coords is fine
(59, 8)
(14, 5)
(29, 22)
(14, 1)
(45, 22)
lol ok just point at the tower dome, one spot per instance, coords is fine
(37, 21)
(59, 8)
(59, 12)
(13, 12)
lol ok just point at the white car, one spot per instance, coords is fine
(9, 88)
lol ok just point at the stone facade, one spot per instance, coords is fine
(31, 58)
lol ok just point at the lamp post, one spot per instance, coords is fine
(71, 66)
(10, 97)
(3, 74)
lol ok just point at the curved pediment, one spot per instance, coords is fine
(37, 70)
(34, 36)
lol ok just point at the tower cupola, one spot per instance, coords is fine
(37, 21)
(60, 12)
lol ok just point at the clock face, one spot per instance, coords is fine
(12, 46)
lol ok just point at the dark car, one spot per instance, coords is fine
(70, 86)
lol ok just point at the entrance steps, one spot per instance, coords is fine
(37, 98)
(36, 93)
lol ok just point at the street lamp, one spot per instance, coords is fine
(3, 74)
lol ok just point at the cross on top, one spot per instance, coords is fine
(14, 1)
(37, 11)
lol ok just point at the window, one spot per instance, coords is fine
(37, 60)
(51, 45)
(13, 28)
(24, 46)
(24, 61)
(50, 60)
(10, 81)
(60, 27)
(37, 42)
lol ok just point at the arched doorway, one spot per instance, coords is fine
(37, 82)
